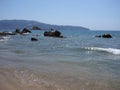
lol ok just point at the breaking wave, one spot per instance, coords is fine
(109, 50)
(4, 38)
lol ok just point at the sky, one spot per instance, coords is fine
(93, 14)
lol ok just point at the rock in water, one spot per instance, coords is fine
(25, 30)
(107, 36)
(34, 39)
(17, 31)
(57, 33)
(104, 36)
(6, 33)
(53, 34)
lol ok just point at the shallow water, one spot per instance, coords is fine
(79, 62)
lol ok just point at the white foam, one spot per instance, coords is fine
(109, 50)
(4, 38)
(26, 33)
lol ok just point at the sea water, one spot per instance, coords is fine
(80, 61)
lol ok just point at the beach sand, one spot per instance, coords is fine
(11, 79)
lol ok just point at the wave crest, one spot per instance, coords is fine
(4, 38)
(109, 50)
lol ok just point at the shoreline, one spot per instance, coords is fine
(12, 80)
(22, 79)
(75, 63)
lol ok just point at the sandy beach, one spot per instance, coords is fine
(11, 79)
(73, 63)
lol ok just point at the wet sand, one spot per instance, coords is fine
(11, 79)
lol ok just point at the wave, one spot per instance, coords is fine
(109, 50)
(4, 38)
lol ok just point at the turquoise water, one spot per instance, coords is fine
(78, 62)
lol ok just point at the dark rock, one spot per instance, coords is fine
(104, 36)
(57, 33)
(34, 39)
(6, 33)
(2, 34)
(48, 33)
(107, 36)
(36, 28)
(17, 31)
(25, 30)
(53, 34)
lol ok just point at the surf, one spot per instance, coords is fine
(109, 50)
(4, 38)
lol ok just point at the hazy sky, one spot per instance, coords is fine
(94, 14)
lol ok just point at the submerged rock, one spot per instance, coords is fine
(34, 39)
(6, 33)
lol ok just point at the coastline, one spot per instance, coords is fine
(74, 63)
(12, 78)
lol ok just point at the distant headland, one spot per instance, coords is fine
(13, 24)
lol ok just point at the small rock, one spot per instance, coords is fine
(25, 30)
(34, 39)
(17, 31)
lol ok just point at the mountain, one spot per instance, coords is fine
(20, 24)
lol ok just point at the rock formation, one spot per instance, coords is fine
(104, 36)
(53, 34)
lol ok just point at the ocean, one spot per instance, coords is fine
(80, 61)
